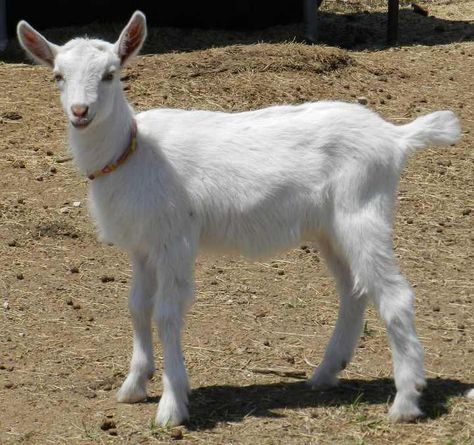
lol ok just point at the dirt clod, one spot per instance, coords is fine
(107, 424)
(176, 433)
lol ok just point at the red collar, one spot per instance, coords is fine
(132, 146)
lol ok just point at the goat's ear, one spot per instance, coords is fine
(36, 45)
(132, 37)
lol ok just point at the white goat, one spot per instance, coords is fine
(254, 182)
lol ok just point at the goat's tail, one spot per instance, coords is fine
(438, 128)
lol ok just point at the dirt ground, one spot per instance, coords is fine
(65, 339)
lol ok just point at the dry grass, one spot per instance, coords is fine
(65, 340)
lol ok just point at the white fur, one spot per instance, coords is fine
(256, 183)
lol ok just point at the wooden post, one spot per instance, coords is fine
(310, 20)
(392, 25)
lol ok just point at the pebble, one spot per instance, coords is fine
(9, 385)
(362, 100)
(12, 243)
(107, 278)
(281, 272)
(76, 306)
(466, 212)
(19, 276)
(6, 305)
(39, 178)
(76, 204)
(69, 301)
(436, 308)
(53, 169)
(74, 269)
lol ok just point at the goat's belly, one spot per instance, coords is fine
(257, 235)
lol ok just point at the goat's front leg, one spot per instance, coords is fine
(140, 303)
(175, 291)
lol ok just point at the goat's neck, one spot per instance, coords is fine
(103, 142)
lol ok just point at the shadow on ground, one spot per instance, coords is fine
(361, 30)
(212, 405)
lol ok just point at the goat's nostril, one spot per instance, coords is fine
(79, 110)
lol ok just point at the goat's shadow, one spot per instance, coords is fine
(212, 405)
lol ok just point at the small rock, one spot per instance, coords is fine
(6, 305)
(76, 204)
(466, 212)
(176, 433)
(69, 301)
(410, 221)
(213, 282)
(461, 327)
(74, 269)
(39, 178)
(436, 308)
(362, 100)
(107, 278)
(113, 432)
(49, 153)
(19, 276)
(64, 210)
(281, 272)
(76, 306)
(8, 385)
(20, 200)
(53, 169)
(266, 343)
(12, 243)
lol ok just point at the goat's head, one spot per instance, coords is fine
(86, 71)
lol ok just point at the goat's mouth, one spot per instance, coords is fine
(81, 123)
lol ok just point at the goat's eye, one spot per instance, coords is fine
(58, 77)
(107, 77)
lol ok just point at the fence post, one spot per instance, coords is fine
(392, 26)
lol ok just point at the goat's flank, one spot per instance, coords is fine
(255, 182)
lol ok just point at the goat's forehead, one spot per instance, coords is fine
(91, 53)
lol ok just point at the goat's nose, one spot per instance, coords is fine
(79, 110)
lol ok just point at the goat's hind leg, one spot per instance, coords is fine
(340, 348)
(140, 304)
(367, 241)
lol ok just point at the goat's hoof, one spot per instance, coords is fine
(171, 412)
(321, 380)
(404, 412)
(131, 392)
